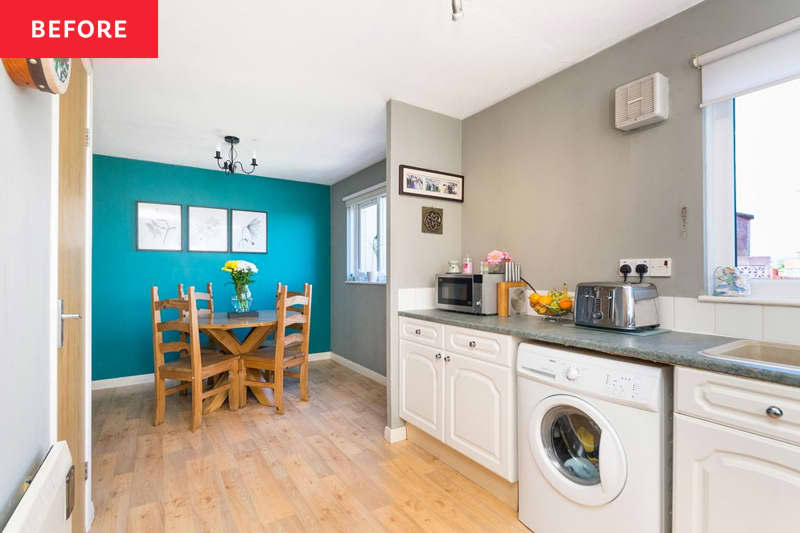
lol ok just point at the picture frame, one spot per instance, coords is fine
(159, 227)
(249, 231)
(429, 183)
(208, 229)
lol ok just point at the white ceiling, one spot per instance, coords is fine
(305, 82)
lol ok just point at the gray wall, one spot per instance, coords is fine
(549, 178)
(358, 311)
(417, 137)
(25, 303)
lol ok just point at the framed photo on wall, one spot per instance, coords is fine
(208, 229)
(159, 226)
(431, 183)
(248, 231)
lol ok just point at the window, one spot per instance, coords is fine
(366, 235)
(751, 111)
(767, 182)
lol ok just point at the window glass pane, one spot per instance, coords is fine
(768, 182)
(368, 237)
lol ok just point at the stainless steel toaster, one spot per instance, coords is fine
(616, 305)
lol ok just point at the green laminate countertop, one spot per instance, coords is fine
(670, 347)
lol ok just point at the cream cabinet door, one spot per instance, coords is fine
(731, 481)
(421, 387)
(479, 413)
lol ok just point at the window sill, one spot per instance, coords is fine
(350, 282)
(751, 300)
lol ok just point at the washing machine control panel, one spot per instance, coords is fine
(630, 383)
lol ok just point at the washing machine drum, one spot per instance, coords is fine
(577, 450)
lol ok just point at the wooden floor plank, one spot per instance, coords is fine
(321, 466)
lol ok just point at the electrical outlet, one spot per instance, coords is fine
(660, 267)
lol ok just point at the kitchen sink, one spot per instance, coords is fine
(765, 354)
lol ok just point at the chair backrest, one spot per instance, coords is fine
(184, 323)
(207, 297)
(299, 320)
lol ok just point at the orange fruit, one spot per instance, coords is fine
(534, 298)
(545, 300)
(565, 303)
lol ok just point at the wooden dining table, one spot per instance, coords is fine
(219, 327)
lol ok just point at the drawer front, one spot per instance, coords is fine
(739, 402)
(480, 345)
(429, 333)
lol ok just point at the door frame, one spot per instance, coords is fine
(87, 282)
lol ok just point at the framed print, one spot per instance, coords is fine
(431, 183)
(208, 229)
(159, 226)
(248, 231)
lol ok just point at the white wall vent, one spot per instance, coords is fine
(641, 102)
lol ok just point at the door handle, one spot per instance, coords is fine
(62, 316)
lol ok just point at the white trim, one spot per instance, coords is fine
(353, 282)
(140, 379)
(369, 191)
(392, 435)
(355, 367)
(748, 42)
(750, 300)
(87, 292)
(52, 321)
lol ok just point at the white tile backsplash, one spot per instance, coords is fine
(694, 316)
(666, 312)
(415, 298)
(782, 324)
(737, 320)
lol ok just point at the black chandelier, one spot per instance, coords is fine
(229, 165)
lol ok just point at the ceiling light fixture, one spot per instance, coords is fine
(229, 165)
(458, 10)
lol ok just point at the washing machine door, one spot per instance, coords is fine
(577, 450)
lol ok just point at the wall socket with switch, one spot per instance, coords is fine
(659, 267)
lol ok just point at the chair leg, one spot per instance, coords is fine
(233, 392)
(304, 382)
(277, 391)
(197, 403)
(161, 397)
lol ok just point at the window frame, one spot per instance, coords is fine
(719, 205)
(353, 205)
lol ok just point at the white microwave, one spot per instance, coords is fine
(468, 293)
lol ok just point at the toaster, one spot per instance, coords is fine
(616, 305)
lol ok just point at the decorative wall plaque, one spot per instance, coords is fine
(432, 220)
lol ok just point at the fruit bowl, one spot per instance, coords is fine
(553, 304)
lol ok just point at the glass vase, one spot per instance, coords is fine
(242, 300)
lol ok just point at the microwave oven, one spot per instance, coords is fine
(467, 293)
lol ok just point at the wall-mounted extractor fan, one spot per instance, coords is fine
(642, 102)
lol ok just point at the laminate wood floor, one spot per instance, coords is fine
(322, 466)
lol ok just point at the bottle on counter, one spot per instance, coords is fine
(466, 266)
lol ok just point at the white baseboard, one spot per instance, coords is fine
(393, 435)
(355, 367)
(127, 381)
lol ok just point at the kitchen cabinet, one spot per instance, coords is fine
(422, 387)
(479, 412)
(734, 479)
(457, 396)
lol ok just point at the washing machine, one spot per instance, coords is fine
(594, 438)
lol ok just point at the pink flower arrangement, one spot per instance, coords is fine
(495, 257)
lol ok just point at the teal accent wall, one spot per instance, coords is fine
(298, 252)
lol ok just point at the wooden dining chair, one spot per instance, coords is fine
(270, 343)
(202, 312)
(293, 313)
(192, 370)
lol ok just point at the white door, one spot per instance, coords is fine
(731, 481)
(479, 414)
(577, 450)
(421, 387)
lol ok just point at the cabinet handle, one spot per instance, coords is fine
(472, 344)
(417, 332)
(438, 356)
(773, 411)
(446, 358)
